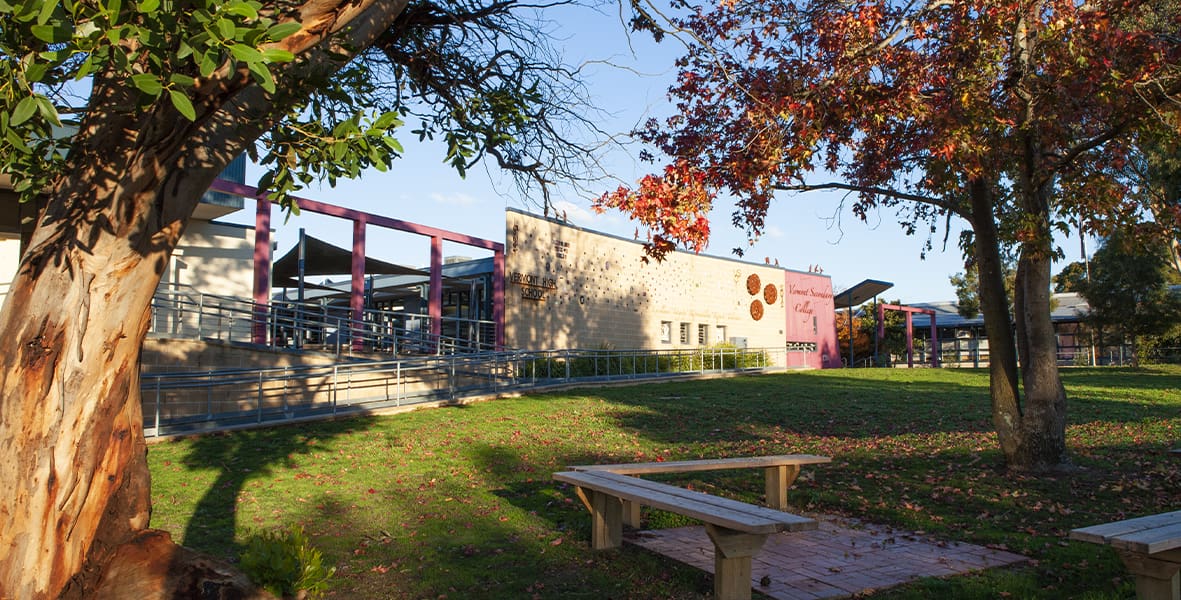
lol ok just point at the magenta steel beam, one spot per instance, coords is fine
(357, 294)
(934, 342)
(262, 271)
(498, 296)
(909, 340)
(435, 303)
(910, 310)
(239, 189)
(437, 237)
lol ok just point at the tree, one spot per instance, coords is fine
(1128, 291)
(1071, 278)
(170, 92)
(967, 283)
(1014, 116)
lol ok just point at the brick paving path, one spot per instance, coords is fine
(836, 561)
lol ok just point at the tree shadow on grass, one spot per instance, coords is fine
(239, 457)
(825, 404)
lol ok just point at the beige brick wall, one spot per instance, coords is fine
(568, 287)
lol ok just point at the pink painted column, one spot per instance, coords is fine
(435, 302)
(498, 296)
(934, 344)
(262, 270)
(357, 294)
(909, 340)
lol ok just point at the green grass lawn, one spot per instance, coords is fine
(458, 502)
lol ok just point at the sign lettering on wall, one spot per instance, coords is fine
(533, 287)
(797, 290)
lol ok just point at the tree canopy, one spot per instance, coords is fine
(1018, 117)
(477, 75)
(1128, 291)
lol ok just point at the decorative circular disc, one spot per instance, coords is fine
(756, 310)
(753, 284)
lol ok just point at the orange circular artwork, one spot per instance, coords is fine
(756, 310)
(753, 284)
(770, 294)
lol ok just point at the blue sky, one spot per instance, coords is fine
(627, 77)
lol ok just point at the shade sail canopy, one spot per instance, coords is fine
(861, 293)
(323, 258)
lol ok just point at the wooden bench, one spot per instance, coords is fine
(737, 529)
(781, 471)
(1149, 546)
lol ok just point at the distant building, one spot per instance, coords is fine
(569, 287)
(211, 257)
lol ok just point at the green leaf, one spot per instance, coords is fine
(54, 34)
(243, 10)
(225, 28)
(24, 109)
(182, 104)
(283, 30)
(84, 68)
(149, 6)
(47, 110)
(113, 8)
(147, 83)
(277, 55)
(262, 75)
(206, 64)
(47, 8)
(181, 80)
(36, 71)
(387, 120)
(246, 54)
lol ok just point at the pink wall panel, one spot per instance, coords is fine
(811, 318)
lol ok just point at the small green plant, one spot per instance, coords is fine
(286, 563)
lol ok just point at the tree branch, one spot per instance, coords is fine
(877, 191)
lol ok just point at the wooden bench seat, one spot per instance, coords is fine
(1149, 546)
(737, 529)
(780, 472)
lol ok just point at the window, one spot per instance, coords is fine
(720, 334)
(666, 332)
(684, 333)
(702, 335)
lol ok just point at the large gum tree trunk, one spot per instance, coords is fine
(71, 432)
(70, 424)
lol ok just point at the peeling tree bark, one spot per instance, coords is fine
(71, 428)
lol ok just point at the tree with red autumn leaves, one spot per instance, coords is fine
(1017, 117)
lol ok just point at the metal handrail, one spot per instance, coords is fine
(180, 311)
(177, 403)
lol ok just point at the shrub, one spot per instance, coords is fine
(286, 563)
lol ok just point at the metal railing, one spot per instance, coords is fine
(179, 403)
(181, 312)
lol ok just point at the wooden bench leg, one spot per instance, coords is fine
(1156, 578)
(631, 514)
(732, 553)
(779, 478)
(606, 518)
